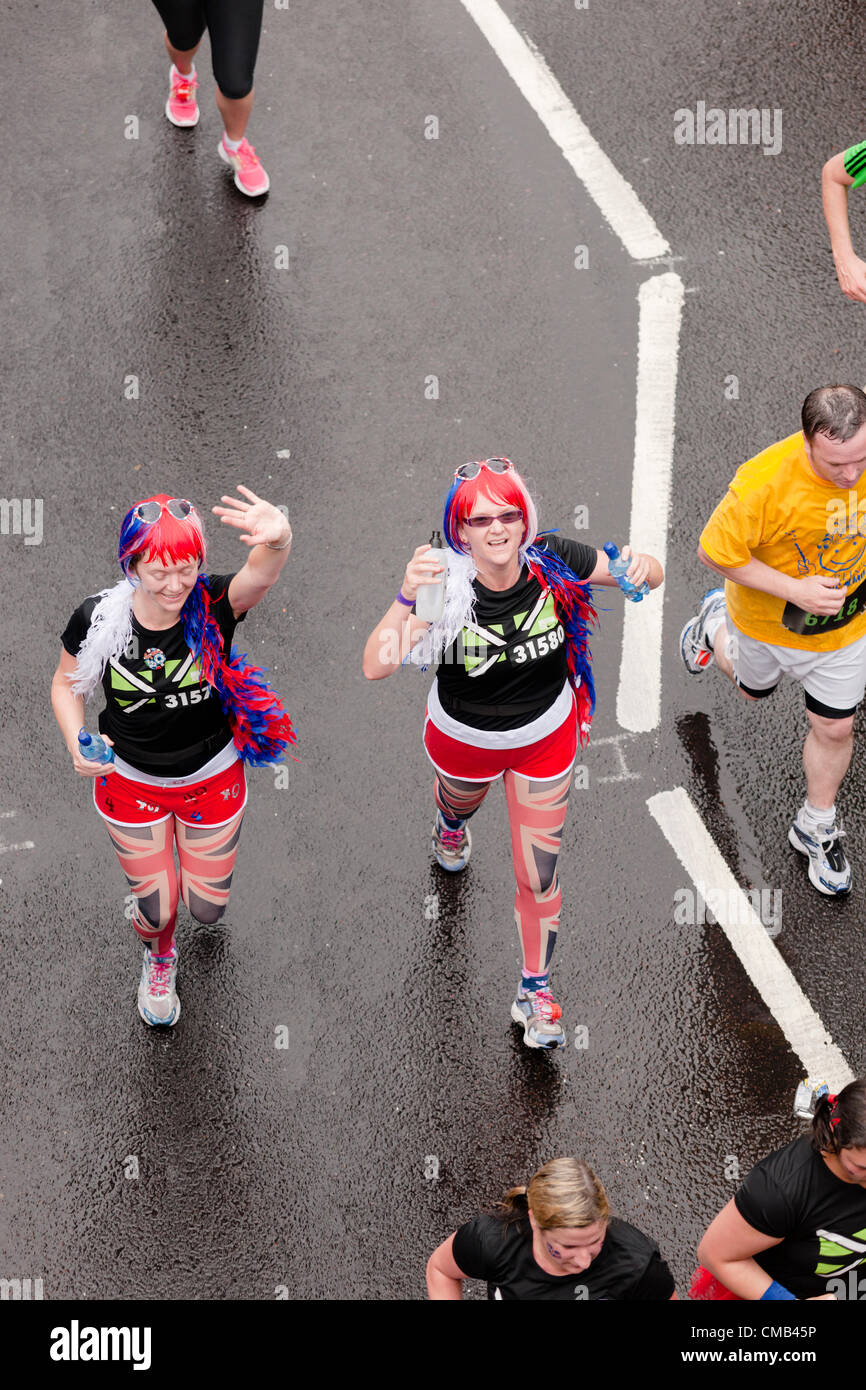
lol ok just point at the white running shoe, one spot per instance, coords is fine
(540, 1014)
(158, 1003)
(695, 652)
(829, 870)
(451, 847)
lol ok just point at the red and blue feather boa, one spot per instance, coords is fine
(573, 600)
(261, 728)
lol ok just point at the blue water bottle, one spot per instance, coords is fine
(94, 748)
(617, 567)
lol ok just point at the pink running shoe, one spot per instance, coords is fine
(250, 177)
(182, 107)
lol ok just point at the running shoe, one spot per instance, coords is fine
(182, 107)
(829, 870)
(694, 650)
(158, 1003)
(250, 177)
(540, 1014)
(451, 847)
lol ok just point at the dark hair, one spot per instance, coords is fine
(837, 411)
(841, 1125)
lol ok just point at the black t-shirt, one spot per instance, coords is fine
(492, 688)
(628, 1267)
(821, 1219)
(163, 717)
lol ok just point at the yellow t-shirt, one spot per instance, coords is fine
(779, 511)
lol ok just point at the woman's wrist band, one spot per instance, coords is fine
(409, 602)
(776, 1293)
(279, 547)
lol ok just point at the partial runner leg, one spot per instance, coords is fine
(536, 812)
(207, 859)
(146, 854)
(457, 801)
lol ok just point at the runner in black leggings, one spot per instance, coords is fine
(234, 27)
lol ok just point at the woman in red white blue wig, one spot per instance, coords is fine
(513, 693)
(184, 714)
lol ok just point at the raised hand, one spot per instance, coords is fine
(259, 522)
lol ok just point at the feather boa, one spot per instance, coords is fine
(260, 727)
(460, 598)
(573, 604)
(110, 632)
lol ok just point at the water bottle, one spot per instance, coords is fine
(617, 567)
(94, 748)
(430, 603)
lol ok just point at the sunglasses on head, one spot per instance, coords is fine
(471, 470)
(148, 512)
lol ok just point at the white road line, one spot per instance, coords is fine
(25, 844)
(614, 197)
(697, 852)
(638, 699)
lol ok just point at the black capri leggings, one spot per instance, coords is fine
(234, 27)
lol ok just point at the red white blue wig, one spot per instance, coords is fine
(572, 597)
(261, 728)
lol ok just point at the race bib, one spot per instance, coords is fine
(532, 648)
(813, 624)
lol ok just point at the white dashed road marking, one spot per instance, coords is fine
(638, 698)
(612, 195)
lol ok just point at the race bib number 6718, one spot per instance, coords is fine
(813, 624)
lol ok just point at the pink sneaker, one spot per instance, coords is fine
(181, 107)
(250, 177)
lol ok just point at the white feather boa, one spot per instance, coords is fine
(110, 632)
(460, 599)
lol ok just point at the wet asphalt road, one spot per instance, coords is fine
(303, 1168)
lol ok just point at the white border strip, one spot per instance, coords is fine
(614, 197)
(696, 850)
(638, 699)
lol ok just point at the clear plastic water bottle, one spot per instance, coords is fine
(94, 748)
(618, 566)
(430, 602)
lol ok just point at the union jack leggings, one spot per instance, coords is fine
(201, 820)
(536, 813)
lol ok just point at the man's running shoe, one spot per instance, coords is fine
(250, 177)
(451, 847)
(694, 650)
(829, 870)
(539, 1013)
(182, 107)
(158, 1003)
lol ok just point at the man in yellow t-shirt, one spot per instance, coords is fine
(789, 538)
